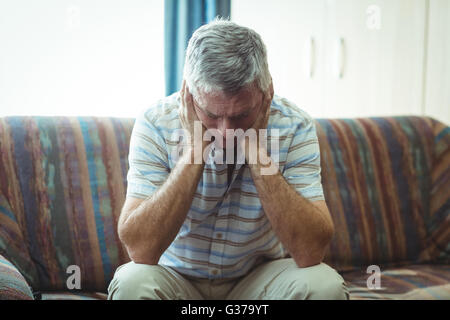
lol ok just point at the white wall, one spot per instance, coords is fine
(80, 57)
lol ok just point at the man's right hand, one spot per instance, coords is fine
(189, 119)
(187, 113)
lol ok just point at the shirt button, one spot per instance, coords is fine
(219, 235)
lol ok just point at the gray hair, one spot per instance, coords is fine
(224, 56)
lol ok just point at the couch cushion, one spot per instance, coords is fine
(13, 285)
(409, 282)
(378, 175)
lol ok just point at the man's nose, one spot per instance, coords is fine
(224, 125)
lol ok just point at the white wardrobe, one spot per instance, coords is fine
(356, 58)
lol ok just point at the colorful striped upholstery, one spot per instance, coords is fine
(12, 284)
(424, 282)
(63, 181)
(387, 184)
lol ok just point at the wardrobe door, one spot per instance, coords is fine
(437, 85)
(293, 31)
(375, 57)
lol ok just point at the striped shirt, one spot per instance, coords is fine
(226, 232)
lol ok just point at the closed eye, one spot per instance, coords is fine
(208, 114)
(241, 116)
(212, 116)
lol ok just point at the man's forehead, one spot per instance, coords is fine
(221, 104)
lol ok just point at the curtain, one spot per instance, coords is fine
(181, 19)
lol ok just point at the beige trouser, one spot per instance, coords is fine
(278, 279)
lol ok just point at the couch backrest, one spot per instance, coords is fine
(387, 184)
(63, 183)
(62, 186)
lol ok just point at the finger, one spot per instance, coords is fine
(187, 95)
(183, 84)
(271, 91)
(265, 113)
(183, 107)
(190, 102)
(268, 98)
(187, 102)
(259, 122)
(269, 103)
(265, 106)
(266, 122)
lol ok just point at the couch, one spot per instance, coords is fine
(63, 182)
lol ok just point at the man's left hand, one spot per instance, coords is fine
(261, 122)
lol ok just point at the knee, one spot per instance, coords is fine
(137, 281)
(326, 284)
(319, 282)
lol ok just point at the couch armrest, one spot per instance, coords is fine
(13, 285)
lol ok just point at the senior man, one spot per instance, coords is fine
(211, 230)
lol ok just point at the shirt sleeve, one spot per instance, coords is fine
(302, 167)
(148, 159)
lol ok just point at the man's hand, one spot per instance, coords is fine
(263, 118)
(188, 116)
(189, 121)
(261, 122)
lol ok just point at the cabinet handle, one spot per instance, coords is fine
(340, 58)
(310, 56)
